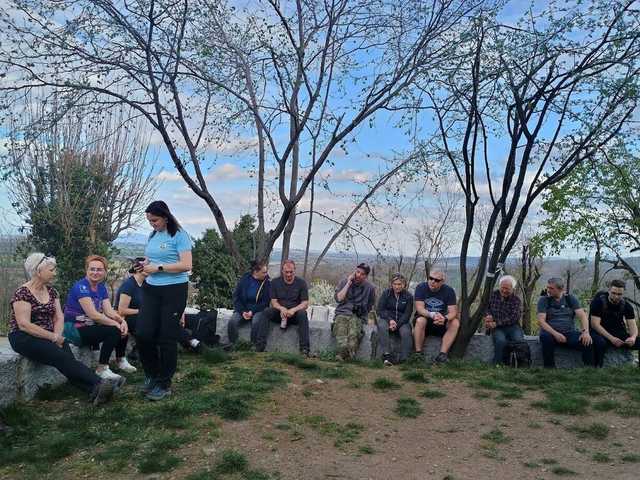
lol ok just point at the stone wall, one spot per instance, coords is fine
(20, 378)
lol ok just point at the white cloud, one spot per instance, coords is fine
(348, 175)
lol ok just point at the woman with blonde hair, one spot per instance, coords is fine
(394, 311)
(36, 326)
(91, 320)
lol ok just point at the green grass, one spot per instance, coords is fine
(230, 462)
(496, 436)
(630, 458)
(416, 376)
(562, 471)
(384, 384)
(366, 450)
(433, 393)
(408, 408)
(596, 431)
(606, 405)
(600, 457)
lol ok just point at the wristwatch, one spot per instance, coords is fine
(160, 268)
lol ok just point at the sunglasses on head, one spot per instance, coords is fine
(42, 260)
(434, 279)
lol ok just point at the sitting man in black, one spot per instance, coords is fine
(289, 302)
(613, 321)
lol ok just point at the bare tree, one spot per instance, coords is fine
(195, 70)
(553, 89)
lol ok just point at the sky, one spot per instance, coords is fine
(230, 178)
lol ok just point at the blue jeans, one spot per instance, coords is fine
(549, 343)
(502, 335)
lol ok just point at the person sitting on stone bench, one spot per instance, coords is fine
(91, 320)
(36, 326)
(556, 317)
(395, 307)
(436, 314)
(250, 297)
(613, 321)
(289, 302)
(503, 317)
(356, 297)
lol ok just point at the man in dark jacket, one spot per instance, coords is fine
(613, 321)
(250, 298)
(394, 311)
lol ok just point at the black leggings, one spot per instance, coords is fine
(158, 329)
(110, 338)
(48, 353)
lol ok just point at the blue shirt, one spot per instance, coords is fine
(82, 289)
(163, 249)
(131, 288)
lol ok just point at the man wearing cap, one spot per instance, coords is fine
(356, 297)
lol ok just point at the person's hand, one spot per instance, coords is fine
(489, 324)
(560, 338)
(58, 340)
(438, 319)
(117, 317)
(124, 328)
(283, 314)
(182, 320)
(585, 339)
(393, 325)
(351, 277)
(290, 312)
(247, 315)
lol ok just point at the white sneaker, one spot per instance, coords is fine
(117, 380)
(124, 365)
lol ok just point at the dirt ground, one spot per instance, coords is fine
(297, 434)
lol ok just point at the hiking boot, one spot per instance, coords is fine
(101, 393)
(124, 365)
(386, 360)
(441, 358)
(157, 393)
(147, 385)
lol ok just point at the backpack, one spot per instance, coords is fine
(517, 354)
(203, 326)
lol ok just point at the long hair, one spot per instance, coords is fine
(160, 209)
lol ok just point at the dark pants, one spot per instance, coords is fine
(48, 353)
(108, 337)
(549, 343)
(600, 345)
(234, 325)
(273, 315)
(158, 329)
(501, 336)
(406, 339)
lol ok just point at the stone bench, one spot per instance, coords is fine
(480, 347)
(20, 378)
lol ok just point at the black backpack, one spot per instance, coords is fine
(203, 326)
(517, 354)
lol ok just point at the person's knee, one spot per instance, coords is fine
(453, 325)
(421, 324)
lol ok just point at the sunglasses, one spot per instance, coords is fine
(436, 280)
(42, 260)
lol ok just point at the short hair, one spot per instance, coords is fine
(508, 278)
(35, 261)
(288, 261)
(557, 282)
(616, 282)
(364, 267)
(257, 265)
(95, 258)
(438, 270)
(399, 276)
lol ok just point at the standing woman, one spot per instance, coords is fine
(164, 298)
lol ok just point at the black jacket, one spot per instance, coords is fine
(392, 308)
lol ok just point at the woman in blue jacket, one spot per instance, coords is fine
(394, 311)
(250, 298)
(164, 298)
